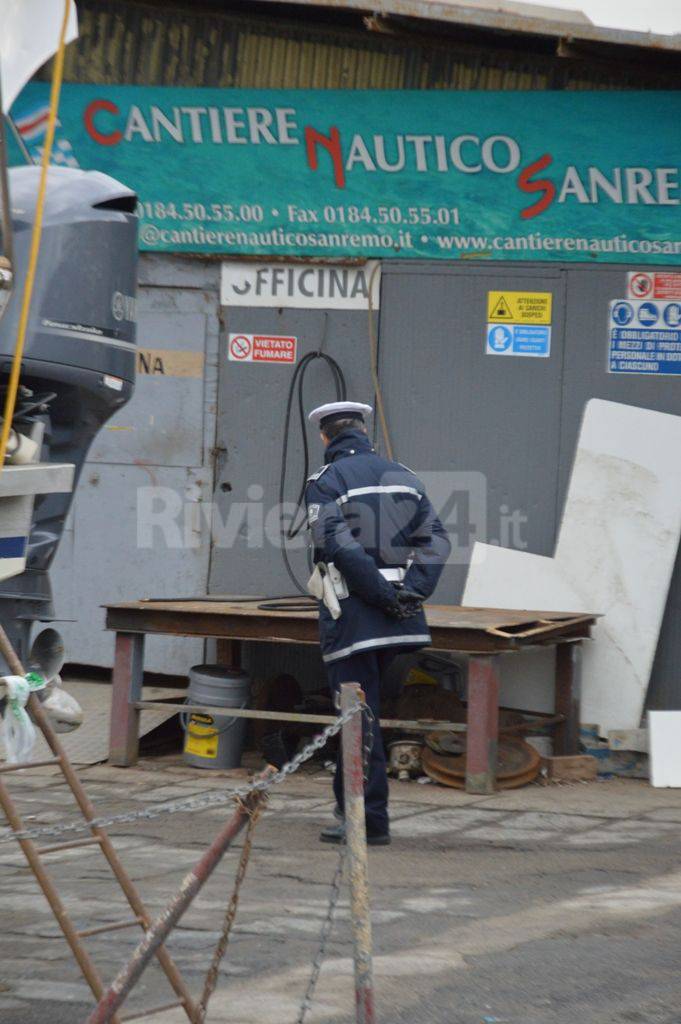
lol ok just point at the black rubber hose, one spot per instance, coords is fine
(296, 392)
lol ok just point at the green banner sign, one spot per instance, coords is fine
(580, 176)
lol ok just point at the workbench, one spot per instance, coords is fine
(483, 634)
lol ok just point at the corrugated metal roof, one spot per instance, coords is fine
(137, 42)
(505, 17)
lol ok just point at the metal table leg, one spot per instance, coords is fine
(482, 724)
(229, 652)
(126, 689)
(568, 697)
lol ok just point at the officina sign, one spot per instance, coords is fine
(587, 176)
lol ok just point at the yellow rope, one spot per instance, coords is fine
(13, 387)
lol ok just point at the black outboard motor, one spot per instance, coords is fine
(79, 359)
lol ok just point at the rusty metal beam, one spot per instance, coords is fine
(483, 738)
(153, 940)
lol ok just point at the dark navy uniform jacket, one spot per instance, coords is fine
(371, 518)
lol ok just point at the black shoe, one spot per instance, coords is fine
(332, 834)
(338, 814)
(336, 834)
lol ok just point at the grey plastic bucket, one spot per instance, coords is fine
(215, 741)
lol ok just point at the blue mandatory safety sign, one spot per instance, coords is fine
(622, 313)
(644, 337)
(518, 340)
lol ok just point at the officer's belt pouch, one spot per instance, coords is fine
(322, 586)
(315, 584)
(338, 580)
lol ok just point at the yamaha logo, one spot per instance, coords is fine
(123, 306)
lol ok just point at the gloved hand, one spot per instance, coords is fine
(405, 605)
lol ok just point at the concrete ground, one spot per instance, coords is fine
(545, 905)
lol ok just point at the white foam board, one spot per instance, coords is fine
(504, 578)
(615, 555)
(617, 546)
(665, 748)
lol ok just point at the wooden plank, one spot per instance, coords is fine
(408, 725)
(228, 652)
(572, 768)
(540, 630)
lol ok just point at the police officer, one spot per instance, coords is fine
(379, 550)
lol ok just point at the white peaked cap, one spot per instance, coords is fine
(322, 412)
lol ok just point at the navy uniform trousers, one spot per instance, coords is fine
(367, 669)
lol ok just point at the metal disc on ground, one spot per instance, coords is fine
(517, 764)
(449, 744)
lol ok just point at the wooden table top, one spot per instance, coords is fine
(453, 627)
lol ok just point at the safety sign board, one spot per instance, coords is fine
(519, 307)
(261, 348)
(518, 339)
(644, 337)
(644, 284)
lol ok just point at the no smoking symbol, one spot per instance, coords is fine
(240, 346)
(641, 285)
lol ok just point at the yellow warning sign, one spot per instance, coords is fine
(519, 307)
(500, 310)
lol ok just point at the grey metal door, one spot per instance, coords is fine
(482, 429)
(246, 557)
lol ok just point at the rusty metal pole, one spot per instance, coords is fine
(130, 974)
(356, 838)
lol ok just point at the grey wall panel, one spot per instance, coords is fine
(453, 409)
(251, 405)
(515, 420)
(589, 292)
(162, 439)
(163, 424)
(107, 563)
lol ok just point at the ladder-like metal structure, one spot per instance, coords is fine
(34, 856)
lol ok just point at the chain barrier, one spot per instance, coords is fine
(202, 800)
(207, 800)
(368, 720)
(334, 896)
(230, 915)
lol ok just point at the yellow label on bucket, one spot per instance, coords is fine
(417, 677)
(201, 739)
